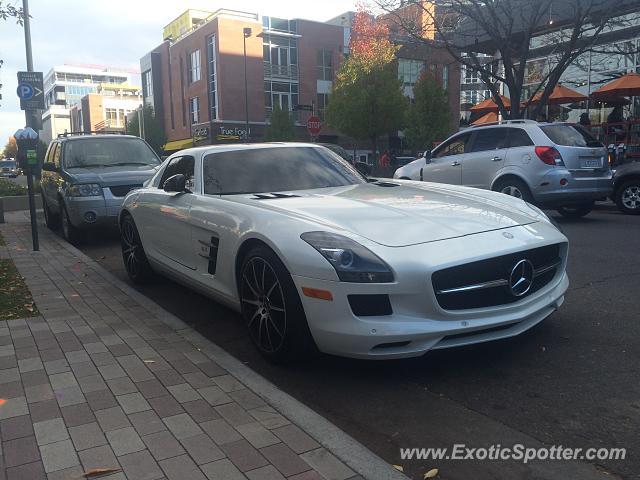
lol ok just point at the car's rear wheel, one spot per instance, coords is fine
(575, 211)
(133, 256)
(271, 307)
(515, 188)
(70, 233)
(51, 220)
(627, 197)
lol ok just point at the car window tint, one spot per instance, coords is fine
(179, 165)
(570, 136)
(489, 139)
(277, 169)
(519, 138)
(108, 152)
(56, 154)
(455, 146)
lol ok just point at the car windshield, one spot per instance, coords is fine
(570, 136)
(7, 163)
(108, 152)
(275, 169)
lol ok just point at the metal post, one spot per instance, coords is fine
(246, 32)
(30, 123)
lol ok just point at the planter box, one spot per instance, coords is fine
(21, 202)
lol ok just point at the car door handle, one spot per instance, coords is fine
(496, 159)
(455, 164)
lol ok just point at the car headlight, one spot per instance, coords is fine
(85, 190)
(351, 261)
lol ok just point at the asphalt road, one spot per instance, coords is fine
(572, 380)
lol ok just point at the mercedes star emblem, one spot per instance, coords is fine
(521, 278)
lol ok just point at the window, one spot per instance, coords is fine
(445, 76)
(570, 136)
(489, 139)
(519, 138)
(280, 51)
(55, 155)
(409, 70)
(323, 101)
(194, 110)
(469, 75)
(282, 94)
(111, 115)
(147, 84)
(194, 66)
(275, 170)
(179, 165)
(325, 65)
(455, 146)
(213, 86)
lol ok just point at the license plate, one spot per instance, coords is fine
(591, 163)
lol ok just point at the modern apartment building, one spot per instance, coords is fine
(66, 85)
(105, 110)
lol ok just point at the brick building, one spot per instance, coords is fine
(196, 82)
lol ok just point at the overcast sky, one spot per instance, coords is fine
(114, 33)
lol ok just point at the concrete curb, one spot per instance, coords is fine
(18, 202)
(351, 452)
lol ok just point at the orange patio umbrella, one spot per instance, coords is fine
(560, 95)
(489, 105)
(486, 118)
(626, 86)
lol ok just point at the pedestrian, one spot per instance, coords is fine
(584, 119)
(385, 160)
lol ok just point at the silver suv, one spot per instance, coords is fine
(86, 177)
(553, 165)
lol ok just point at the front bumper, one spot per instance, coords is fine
(91, 212)
(580, 188)
(418, 324)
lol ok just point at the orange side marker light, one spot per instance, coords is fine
(317, 293)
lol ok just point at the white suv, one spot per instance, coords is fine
(553, 165)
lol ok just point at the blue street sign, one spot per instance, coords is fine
(25, 91)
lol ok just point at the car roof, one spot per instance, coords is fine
(244, 146)
(76, 138)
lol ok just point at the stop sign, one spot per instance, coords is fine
(314, 125)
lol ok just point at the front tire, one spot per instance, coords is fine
(135, 260)
(271, 308)
(627, 197)
(575, 211)
(515, 188)
(70, 233)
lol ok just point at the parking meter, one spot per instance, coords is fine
(27, 141)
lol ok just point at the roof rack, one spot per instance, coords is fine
(505, 122)
(91, 132)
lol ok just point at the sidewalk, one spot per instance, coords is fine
(105, 378)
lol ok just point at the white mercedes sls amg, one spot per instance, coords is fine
(316, 256)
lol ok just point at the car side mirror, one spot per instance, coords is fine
(49, 167)
(427, 157)
(176, 183)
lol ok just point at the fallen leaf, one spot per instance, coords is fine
(431, 473)
(400, 468)
(2, 401)
(99, 471)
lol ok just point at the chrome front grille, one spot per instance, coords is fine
(496, 281)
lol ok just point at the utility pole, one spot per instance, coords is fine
(30, 122)
(246, 34)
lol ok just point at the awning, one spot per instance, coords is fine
(178, 145)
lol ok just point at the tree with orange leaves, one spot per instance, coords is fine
(367, 101)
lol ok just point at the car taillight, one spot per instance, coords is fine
(549, 155)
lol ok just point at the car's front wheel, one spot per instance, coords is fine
(575, 211)
(133, 256)
(70, 233)
(271, 307)
(627, 197)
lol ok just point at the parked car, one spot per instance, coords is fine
(86, 177)
(314, 255)
(8, 168)
(339, 150)
(626, 188)
(554, 165)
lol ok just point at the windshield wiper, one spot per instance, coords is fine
(122, 164)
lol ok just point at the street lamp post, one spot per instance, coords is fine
(246, 34)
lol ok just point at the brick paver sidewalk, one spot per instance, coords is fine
(105, 378)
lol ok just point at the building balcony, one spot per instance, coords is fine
(109, 126)
(280, 71)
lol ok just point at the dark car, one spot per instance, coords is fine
(86, 177)
(626, 188)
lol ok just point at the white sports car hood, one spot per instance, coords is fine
(403, 215)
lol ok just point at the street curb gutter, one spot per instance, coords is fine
(351, 452)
